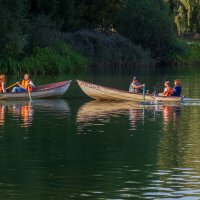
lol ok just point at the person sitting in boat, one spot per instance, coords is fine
(25, 86)
(176, 91)
(168, 89)
(2, 83)
(135, 86)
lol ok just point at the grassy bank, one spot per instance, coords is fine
(47, 60)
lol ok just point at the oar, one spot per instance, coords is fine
(143, 93)
(29, 94)
(11, 86)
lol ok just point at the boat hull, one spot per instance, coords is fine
(44, 91)
(105, 93)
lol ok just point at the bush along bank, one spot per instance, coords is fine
(103, 49)
(189, 54)
(76, 52)
(108, 49)
(46, 60)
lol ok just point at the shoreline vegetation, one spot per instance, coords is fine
(69, 37)
(191, 53)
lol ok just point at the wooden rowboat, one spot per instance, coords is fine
(105, 93)
(39, 92)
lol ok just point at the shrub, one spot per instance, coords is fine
(108, 49)
(189, 54)
(47, 60)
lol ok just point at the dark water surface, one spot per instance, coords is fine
(77, 148)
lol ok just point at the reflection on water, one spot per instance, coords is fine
(101, 112)
(20, 110)
(162, 158)
(2, 115)
(58, 149)
(23, 111)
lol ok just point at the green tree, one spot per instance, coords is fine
(187, 15)
(147, 22)
(79, 14)
(13, 27)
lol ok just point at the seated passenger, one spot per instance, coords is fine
(176, 91)
(25, 86)
(135, 86)
(2, 83)
(168, 89)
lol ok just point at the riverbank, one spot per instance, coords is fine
(76, 52)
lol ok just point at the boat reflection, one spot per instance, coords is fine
(26, 114)
(24, 111)
(104, 110)
(2, 115)
(171, 114)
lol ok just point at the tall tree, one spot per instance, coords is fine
(187, 15)
(79, 14)
(147, 22)
(13, 27)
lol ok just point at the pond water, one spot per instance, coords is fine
(78, 148)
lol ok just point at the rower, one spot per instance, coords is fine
(135, 86)
(25, 86)
(168, 89)
(176, 91)
(2, 83)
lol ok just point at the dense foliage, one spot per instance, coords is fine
(187, 15)
(78, 14)
(148, 23)
(46, 60)
(107, 32)
(191, 55)
(108, 49)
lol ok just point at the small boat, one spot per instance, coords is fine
(105, 93)
(39, 92)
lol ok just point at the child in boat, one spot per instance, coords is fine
(135, 86)
(2, 83)
(168, 89)
(25, 86)
(176, 91)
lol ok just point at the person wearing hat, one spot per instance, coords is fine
(168, 89)
(135, 86)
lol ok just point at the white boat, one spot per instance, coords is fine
(106, 93)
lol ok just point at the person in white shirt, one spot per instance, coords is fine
(135, 86)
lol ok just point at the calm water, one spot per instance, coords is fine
(77, 148)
